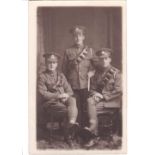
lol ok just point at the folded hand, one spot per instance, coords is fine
(63, 97)
(98, 97)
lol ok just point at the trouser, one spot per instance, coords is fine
(92, 114)
(58, 109)
(94, 108)
(55, 111)
(81, 99)
(51, 111)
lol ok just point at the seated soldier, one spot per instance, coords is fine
(57, 93)
(105, 91)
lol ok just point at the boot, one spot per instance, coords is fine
(72, 132)
(90, 139)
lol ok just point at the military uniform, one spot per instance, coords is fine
(76, 65)
(76, 71)
(106, 82)
(51, 84)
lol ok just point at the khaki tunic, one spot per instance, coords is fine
(76, 72)
(51, 85)
(111, 90)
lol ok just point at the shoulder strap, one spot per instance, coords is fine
(111, 73)
(59, 79)
(82, 55)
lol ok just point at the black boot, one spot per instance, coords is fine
(71, 134)
(89, 138)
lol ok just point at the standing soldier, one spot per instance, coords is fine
(105, 91)
(57, 93)
(77, 66)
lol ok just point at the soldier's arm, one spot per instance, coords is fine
(117, 91)
(118, 83)
(91, 67)
(66, 86)
(47, 95)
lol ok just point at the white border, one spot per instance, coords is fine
(32, 73)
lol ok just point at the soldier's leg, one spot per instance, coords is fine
(57, 108)
(78, 102)
(90, 133)
(71, 127)
(57, 111)
(72, 110)
(92, 114)
(83, 102)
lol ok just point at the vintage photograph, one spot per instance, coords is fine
(77, 76)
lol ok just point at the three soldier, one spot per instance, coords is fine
(60, 96)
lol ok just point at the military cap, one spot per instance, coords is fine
(52, 56)
(104, 52)
(78, 29)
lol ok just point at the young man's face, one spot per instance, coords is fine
(79, 38)
(105, 61)
(51, 65)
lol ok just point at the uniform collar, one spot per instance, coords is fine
(52, 73)
(104, 70)
(79, 46)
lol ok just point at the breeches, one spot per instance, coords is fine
(81, 99)
(59, 109)
(94, 108)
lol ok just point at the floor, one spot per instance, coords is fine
(57, 142)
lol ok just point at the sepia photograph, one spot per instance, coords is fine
(77, 77)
